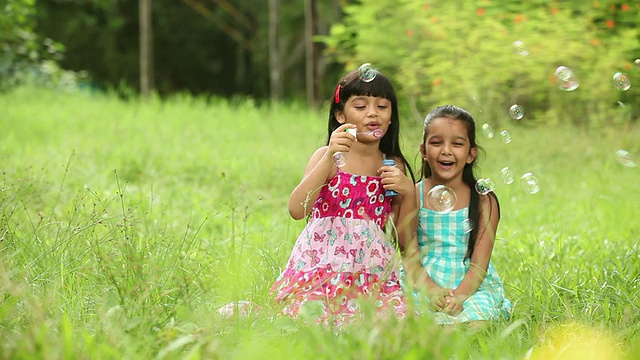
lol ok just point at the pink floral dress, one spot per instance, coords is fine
(344, 254)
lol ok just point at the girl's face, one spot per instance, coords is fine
(369, 113)
(447, 149)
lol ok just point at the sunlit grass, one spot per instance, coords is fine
(126, 225)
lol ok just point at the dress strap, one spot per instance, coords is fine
(421, 187)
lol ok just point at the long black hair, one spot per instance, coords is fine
(457, 113)
(353, 85)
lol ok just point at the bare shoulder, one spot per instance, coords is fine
(490, 202)
(317, 155)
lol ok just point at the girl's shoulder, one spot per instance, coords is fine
(490, 202)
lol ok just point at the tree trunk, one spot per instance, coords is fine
(312, 53)
(146, 48)
(275, 64)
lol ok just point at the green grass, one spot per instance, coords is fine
(126, 225)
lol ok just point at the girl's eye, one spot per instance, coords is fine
(434, 143)
(382, 106)
(359, 106)
(458, 144)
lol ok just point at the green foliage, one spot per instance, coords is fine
(463, 53)
(125, 225)
(26, 57)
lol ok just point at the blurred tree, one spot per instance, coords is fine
(146, 47)
(465, 53)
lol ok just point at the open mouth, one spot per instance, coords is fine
(446, 164)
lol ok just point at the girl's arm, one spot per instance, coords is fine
(403, 206)
(489, 216)
(317, 172)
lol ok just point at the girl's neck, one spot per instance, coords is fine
(455, 184)
(364, 159)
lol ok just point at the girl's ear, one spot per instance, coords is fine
(423, 152)
(472, 155)
(340, 116)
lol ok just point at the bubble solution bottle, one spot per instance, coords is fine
(389, 162)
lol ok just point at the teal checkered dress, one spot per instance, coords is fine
(443, 239)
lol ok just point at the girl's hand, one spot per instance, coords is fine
(438, 299)
(340, 140)
(394, 178)
(454, 305)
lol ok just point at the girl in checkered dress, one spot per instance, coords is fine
(462, 285)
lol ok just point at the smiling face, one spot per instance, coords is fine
(447, 149)
(368, 113)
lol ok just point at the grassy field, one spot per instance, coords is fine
(124, 226)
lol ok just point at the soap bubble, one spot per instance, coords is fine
(625, 158)
(566, 78)
(485, 186)
(339, 159)
(530, 183)
(367, 73)
(441, 199)
(520, 49)
(563, 73)
(506, 138)
(637, 62)
(487, 130)
(507, 175)
(516, 112)
(621, 81)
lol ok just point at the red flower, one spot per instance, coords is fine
(410, 33)
(518, 19)
(436, 82)
(625, 7)
(480, 11)
(610, 24)
(554, 10)
(425, 7)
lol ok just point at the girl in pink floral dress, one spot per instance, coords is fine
(343, 255)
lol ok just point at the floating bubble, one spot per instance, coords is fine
(530, 183)
(520, 49)
(516, 112)
(441, 199)
(507, 175)
(563, 73)
(466, 225)
(637, 62)
(621, 81)
(367, 73)
(488, 131)
(485, 186)
(339, 159)
(566, 78)
(625, 158)
(506, 138)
